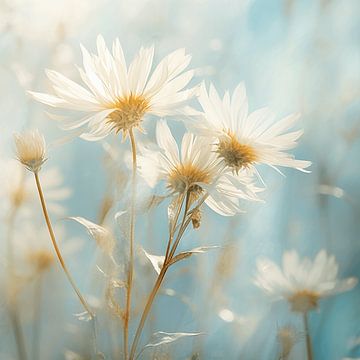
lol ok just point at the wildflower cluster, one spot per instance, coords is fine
(216, 164)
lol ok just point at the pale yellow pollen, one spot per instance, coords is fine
(185, 178)
(304, 301)
(234, 154)
(41, 259)
(129, 112)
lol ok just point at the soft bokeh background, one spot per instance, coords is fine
(294, 56)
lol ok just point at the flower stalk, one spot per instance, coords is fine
(13, 309)
(62, 262)
(130, 274)
(38, 290)
(186, 220)
(307, 336)
(57, 250)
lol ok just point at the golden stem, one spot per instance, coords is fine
(180, 200)
(307, 335)
(13, 311)
(160, 278)
(131, 246)
(57, 250)
(146, 310)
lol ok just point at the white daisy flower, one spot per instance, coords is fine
(302, 282)
(197, 169)
(116, 97)
(244, 140)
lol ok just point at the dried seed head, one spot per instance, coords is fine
(31, 149)
(196, 218)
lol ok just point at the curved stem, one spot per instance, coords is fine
(62, 261)
(159, 280)
(131, 246)
(307, 335)
(57, 250)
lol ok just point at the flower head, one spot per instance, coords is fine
(196, 170)
(302, 283)
(31, 149)
(244, 140)
(116, 97)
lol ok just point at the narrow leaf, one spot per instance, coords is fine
(156, 261)
(162, 338)
(186, 254)
(101, 235)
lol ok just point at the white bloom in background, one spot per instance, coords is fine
(196, 169)
(18, 190)
(117, 97)
(35, 251)
(31, 149)
(244, 140)
(302, 282)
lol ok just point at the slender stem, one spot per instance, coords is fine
(57, 250)
(19, 336)
(307, 335)
(146, 310)
(13, 311)
(131, 246)
(180, 201)
(10, 247)
(159, 280)
(37, 318)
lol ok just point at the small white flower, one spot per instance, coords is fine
(31, 149)
(302, 282)
(244, 140)
(117, 97)
(196, 170)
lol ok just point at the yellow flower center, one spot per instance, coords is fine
(304, 301)
(234, 154)
(129, 112)
(185, 178)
